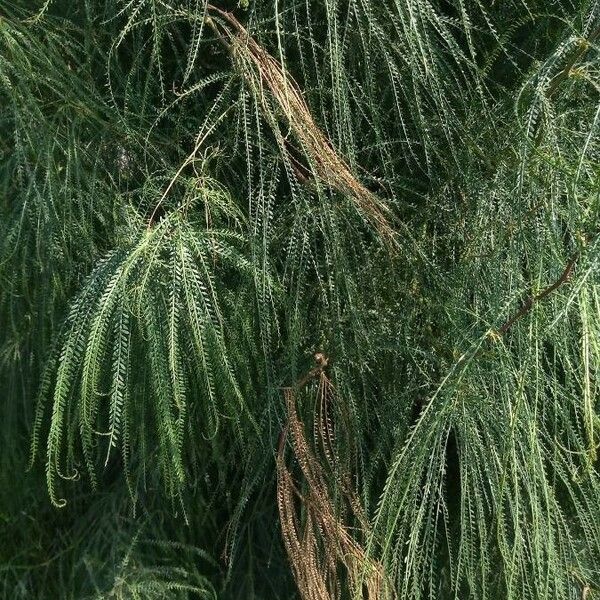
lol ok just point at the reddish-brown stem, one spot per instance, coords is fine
(528, 305)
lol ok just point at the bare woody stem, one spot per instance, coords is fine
(529, 303)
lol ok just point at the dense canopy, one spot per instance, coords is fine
(300, 299)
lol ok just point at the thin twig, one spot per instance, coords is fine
(322, 361)
(529, 303)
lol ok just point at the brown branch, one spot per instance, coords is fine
(327, 166)
(528, 305)
(323, 550)
(322, 361)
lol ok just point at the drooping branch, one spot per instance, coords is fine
(265, 72)
(322, 549)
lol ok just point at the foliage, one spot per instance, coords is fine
(197, 198)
